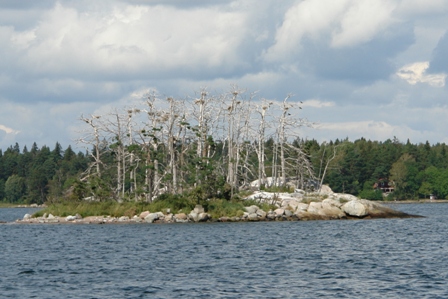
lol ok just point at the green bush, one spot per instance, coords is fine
(371, 194)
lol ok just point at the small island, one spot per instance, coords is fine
(299, 205)
(226, 157)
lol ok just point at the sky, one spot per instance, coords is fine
(375, 69)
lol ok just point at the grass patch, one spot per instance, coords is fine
(86, 209)
(176, 203)
(8, 205)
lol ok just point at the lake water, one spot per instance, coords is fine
(382, 258)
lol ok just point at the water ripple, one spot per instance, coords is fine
(393, 258)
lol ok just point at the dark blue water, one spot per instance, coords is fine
(384, 258)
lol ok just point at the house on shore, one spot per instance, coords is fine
(385, 186)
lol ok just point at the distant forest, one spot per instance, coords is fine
(36, 175)
(215, 146)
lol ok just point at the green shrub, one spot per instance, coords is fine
(371, 194)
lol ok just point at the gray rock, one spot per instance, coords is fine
(50, 216)
(253, 217)
(193, 216)
(270, 215)
(202, 217)
(70, 218)
(354, 208)
(288, 213)
(123, 218)
(328, 202)
(315, 208)
(262, 214)
(345, 197)
(252, 209)
(279, 212)
(144, 214)
(331, 211)
(180, 216)
(302, 207)
(151, 217)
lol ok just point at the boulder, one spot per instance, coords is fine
(354, 208)
(331, 202)
(144, 214)
(70, 218)
(181, 216)
(193, 216)
(344, 197)
(253, 217)
(151, 217)
(123, 218)
(270, 215)
(169, 218)
(332, 209)
(252, 209)
(202, 217)
(26, 217)
(262, 214)
(315, 208)
(293, 204)
(301, 207)
(279, 212)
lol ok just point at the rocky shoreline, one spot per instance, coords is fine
(297, 206)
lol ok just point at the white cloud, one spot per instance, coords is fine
(8, 130)
(416, 73)
(344, 23)
(132, 39)
(341, 58)
(422, 7)
(362, 20)
(315, 103)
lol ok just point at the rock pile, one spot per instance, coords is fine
(324, 205)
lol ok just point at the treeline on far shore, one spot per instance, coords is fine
(43, 174)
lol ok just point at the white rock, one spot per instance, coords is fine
(261, 213)
(144, 214)
(151, 217)
(315, 208)
(252, 209)
(203, 217)
(70, 218)
(355, 208)
(26, 217)
(279, 212)
(253, 217)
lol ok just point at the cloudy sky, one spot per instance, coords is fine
(362, 68)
